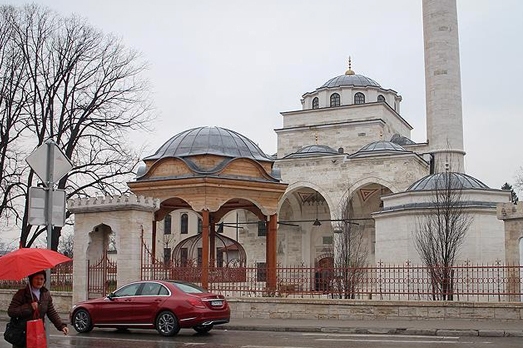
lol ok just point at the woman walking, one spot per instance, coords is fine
(33, 300)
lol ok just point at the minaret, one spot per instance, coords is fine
(443, 85)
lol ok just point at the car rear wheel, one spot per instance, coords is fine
(202, 329)
(167, 324)
(82, 321)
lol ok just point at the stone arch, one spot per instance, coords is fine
(99, 241)
(305, 212)
(365, 196)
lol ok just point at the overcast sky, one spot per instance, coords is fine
(238, 64)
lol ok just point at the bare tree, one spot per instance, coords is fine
(66, 244)
(519, 180)
(350, 252)
(83, 90)
(13, 121)
(441, 232)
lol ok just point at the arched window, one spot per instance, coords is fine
(359, 98)
(315, 103)
(381, 98)
(335, 99)
(184, 224)
(167, 224)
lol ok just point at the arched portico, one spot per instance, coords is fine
(211, 179)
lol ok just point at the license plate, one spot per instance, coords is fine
(216, 303)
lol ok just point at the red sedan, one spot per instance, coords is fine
(166, 306)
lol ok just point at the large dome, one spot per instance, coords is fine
(209, 141)
(354, 80)
(457, 180)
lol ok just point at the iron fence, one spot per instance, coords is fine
(466, 282)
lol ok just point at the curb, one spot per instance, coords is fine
(378, 331)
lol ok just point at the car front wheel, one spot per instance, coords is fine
(202, 329)
(82, 321)
(167, 324)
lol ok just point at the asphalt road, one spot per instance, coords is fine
(101, 338)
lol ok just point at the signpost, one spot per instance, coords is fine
(47, 205)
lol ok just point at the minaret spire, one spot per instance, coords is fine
(443, 85)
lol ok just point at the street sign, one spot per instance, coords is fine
(37, 203)
(37, 160)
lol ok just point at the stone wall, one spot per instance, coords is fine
(277, 308)
(292, 308)
(62, 300)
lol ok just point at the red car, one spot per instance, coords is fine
(166, 306)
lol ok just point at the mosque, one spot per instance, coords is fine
(344, 160)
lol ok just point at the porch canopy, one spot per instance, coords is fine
(213, 171)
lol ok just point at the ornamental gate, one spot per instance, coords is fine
(101, 278)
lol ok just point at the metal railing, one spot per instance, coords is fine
(466, 282)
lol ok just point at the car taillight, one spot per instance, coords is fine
(196, 302)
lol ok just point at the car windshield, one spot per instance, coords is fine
(189, 288)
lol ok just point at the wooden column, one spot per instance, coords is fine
(212, 246)
(205, 249)
(153, 247)
(271, 252)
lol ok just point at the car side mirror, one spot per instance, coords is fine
(111, 296)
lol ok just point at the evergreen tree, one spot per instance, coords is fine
(513, 196)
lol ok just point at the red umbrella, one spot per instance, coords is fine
(20, 263)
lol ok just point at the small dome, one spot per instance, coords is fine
(313, 150)
(379, 147)
(142, 169)
(210, 141)
(458, 180)
(350, 79)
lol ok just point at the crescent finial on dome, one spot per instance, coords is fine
(349, 71)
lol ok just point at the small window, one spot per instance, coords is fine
(184, 256)
(200, 225)
(315, 103)
(335, 99)
(167, 224)
(261, 272)
(262, 228)
(166, 255)
(328, 240)
(359, 98)
(381, 98)
(184, 224)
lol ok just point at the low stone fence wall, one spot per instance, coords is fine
(278, 308)
(62, 300)
(293, 308)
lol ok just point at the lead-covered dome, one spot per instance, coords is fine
(440, 181)
(354, 80)
(210, 141)
(312, 151)
(380, 148)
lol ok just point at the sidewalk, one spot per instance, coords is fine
(433, 327)
(485, 328)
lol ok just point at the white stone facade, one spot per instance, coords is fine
(95, 220)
